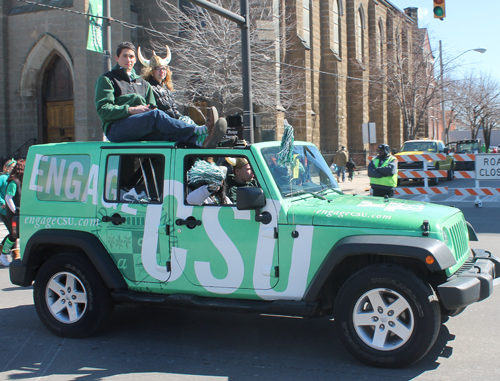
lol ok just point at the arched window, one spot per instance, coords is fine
(59, 123)
(59, 84)
(380, 41)
(306, 22)
(336, 27)
(360, 44)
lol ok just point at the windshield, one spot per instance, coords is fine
(419, 146)
(469, 147)
(307, 173)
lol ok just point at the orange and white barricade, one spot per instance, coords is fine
(419, 190)
(465, 174)
(421, 174)
(477, 191)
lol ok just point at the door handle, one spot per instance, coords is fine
(116, 219)
(190, 222)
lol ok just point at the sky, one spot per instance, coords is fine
(467, 25)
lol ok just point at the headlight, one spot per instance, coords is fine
(446, 238)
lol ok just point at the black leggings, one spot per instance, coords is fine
(7, 224)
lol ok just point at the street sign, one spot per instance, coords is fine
(488, 166)
(369, 133)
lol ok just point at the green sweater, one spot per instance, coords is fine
(116, 91)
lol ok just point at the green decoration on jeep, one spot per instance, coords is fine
(105, 223)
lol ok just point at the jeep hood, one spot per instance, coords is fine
(367, 212)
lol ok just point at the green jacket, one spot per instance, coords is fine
(115, 92)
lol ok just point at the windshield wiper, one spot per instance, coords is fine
(314, 194)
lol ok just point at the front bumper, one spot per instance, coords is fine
(20, 274)
(472, 285)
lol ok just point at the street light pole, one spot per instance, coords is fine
(443, 117)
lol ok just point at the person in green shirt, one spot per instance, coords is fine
(7, 168)
(126, 105)
(13, 203)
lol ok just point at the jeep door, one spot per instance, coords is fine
(222, 250)
(131, 211)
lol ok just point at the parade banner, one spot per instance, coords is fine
(94, 41)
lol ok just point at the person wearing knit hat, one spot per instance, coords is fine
(126, 105)
(207, 180)
(242, 176)
(383, 172)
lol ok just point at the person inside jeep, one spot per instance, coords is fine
(206, 184)
(243, 176)
(126, 105)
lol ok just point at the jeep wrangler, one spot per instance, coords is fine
(105, 223)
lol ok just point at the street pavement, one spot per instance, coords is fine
(173, 344)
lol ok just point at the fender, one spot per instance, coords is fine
(396, 246)
(87, 242)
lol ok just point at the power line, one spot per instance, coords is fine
(135, 26)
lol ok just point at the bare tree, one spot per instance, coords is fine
(207, 56)
(477, 99)
(408, 74)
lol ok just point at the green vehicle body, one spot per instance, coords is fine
(286, 247)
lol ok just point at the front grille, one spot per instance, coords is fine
(459, 237)
(411, 165)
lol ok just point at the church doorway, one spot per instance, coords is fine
(58, 98)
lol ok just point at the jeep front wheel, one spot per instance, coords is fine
(70, 297)
(386, 316)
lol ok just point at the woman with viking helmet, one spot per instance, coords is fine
(158, 74)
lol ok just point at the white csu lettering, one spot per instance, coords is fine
(301, 253)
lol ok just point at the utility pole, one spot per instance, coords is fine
(106, 35)
(447, 133)
(243, 22)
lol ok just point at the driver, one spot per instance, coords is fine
(242, 176)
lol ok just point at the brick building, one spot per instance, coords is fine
(49, 75)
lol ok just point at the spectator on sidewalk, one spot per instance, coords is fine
(13, 202)
(350, 166)
(341, 159)
(383, 172)
(7, 168)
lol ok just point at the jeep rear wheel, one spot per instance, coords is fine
(386, 316)
(70, 297)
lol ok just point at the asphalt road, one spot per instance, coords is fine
(154, 343)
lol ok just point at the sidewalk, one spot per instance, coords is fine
(359, 185)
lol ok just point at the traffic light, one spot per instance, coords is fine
(439, 9)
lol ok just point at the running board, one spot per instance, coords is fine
(278, 307)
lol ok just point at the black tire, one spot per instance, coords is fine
(416, 316)
(86, 301)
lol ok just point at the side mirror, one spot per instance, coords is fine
(446, 150)
(248, 198)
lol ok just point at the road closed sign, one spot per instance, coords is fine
(488, 166)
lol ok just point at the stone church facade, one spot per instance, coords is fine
(49, 75)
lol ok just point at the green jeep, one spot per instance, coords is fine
(105, 223)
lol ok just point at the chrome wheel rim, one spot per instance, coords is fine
(383, 319)
(66, 297)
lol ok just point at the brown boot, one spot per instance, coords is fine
(15, 254)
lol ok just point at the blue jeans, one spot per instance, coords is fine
(341, 169)
(152, 125)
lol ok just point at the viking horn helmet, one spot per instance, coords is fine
(155, 60)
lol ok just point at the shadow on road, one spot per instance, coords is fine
(145, 342)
